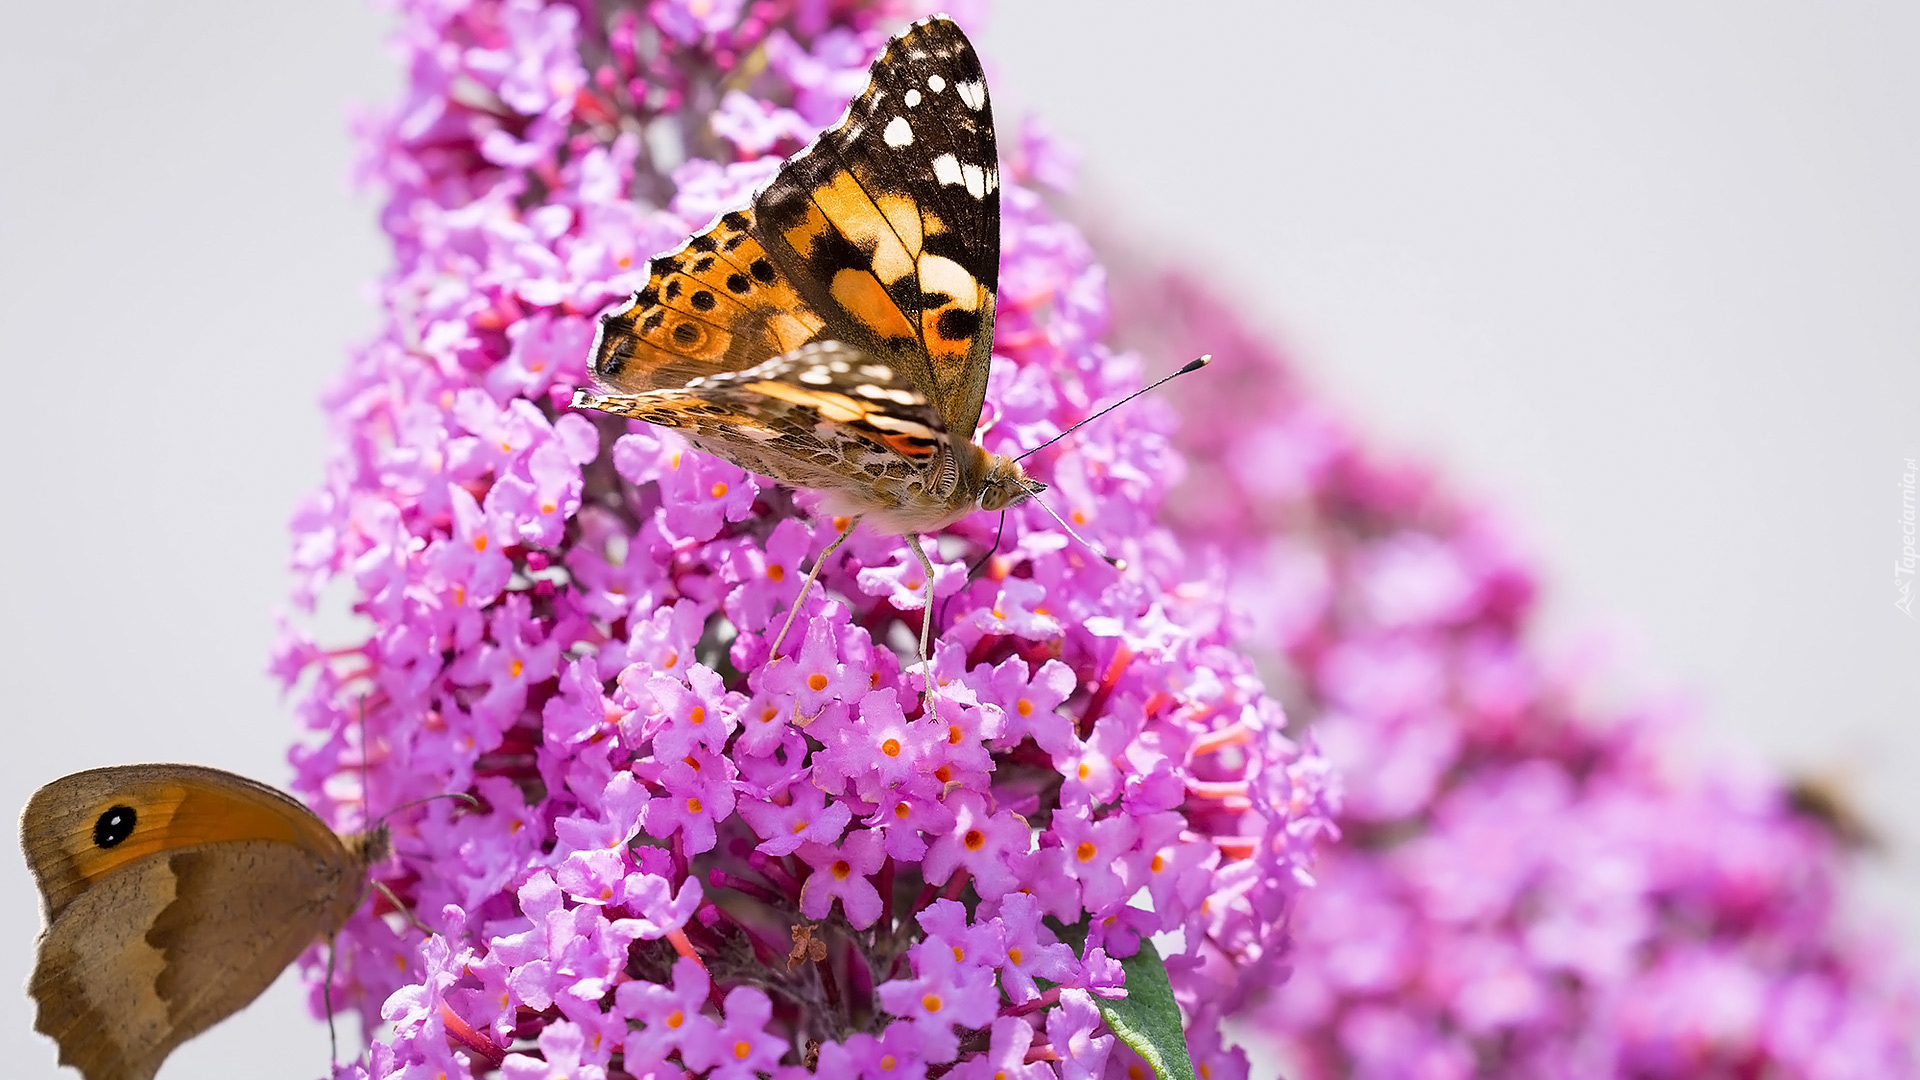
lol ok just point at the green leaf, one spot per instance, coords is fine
(1147, 1019)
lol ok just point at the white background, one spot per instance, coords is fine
(1646, 275)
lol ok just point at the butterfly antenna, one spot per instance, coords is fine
(1194, 365)
(1112, 560)
(472, 803)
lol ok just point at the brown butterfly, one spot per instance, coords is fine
(174, 895)
(834, 333)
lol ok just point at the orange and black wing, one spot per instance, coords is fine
(714, 304)
(889, 224)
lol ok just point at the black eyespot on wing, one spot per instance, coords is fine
(702, 242)
(703, 264)
(735, 220)
(702, 300)
(113, 826)
(672, 291)
(686, 333)
(652, 322)
(762, 270)
(955, 324)
(738, 283)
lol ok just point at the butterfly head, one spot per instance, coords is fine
(1007, 484)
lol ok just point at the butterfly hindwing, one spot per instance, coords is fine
(826, 416)
(889, 224)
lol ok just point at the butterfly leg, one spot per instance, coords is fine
(926, 619)
(774, 653)
(326, 1003)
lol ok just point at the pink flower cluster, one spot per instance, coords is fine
(1528, 885)
(685, 858)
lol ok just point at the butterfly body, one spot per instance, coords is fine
(174, 895)
(829, 418)
(835, 333)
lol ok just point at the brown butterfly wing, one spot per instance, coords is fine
(175, 894)
(889, 224)
(168, 947)
(171, 806)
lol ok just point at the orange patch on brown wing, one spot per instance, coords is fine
(802, 237)
(966, 297)
(173, 816)
(846, 205)
(906, 446)
(903, 214)
(789, 322)
(863, 297)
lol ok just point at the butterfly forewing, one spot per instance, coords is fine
(890, 223)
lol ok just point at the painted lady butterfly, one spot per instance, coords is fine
(834, 333)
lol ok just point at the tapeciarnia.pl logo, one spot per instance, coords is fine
(1903, 567)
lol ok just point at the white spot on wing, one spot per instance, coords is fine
(976, 178)
(941, 274)
(946, 169)
(902, 425)
(912, 98)
(974, 94)
(816, 376)
(899, 132)
(888, 393)
(936, 84)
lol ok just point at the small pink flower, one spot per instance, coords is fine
(843, 872)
